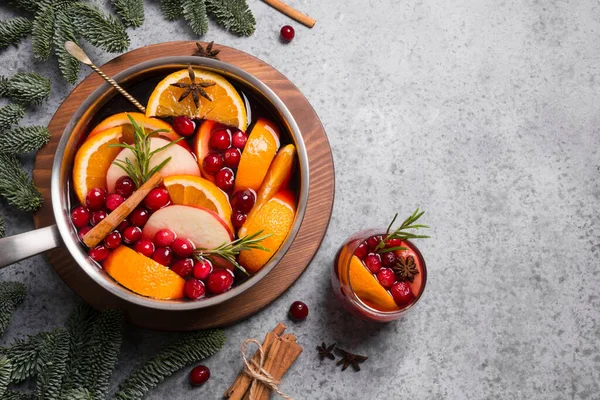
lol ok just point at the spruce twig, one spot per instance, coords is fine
(234, 15)
(194, 12)
(42, 33)
(24, 355)
(130, 11)
(16, 186)
(11, 295)
(24, 139)
(65, 31)
(10, 114)
(171, 9)
(27, 88)
(5, 371)
(14, 395)
(52, 365)
(13, 30)
(99, 29)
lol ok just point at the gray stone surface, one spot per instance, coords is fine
(485, 114)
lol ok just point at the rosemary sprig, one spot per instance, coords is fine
(139, 169)
(399, 233)
(229, 251)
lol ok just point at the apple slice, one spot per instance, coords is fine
(200, 225)
(201, 148)
(182, 162)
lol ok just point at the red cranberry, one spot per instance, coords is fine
(95, 198)
(212, 163)
(144, 247)
(219, 281)
(199, 375)
(388, 259)
(83, 231)
(298, 310)
(80, 217)
(373, 262)
(361, 250)
(202, 268)
(243, 201)
(220, 139)
(183, 267)
(157, 199)
(194, 289)
(132, 234)
(238, 219)
(287, 33)
(184, 126)
(163, 255)
(113, 201)
(239, 139)
(232, 157)
(125, 186)
(164, 237)
(386, 277)
(402, 294)
(224, 179)
(124, 224)
(183, 247)
(393, 243)
(97, 216)
(372, 242)
(99, 253)
(113, 240)
(139, 216)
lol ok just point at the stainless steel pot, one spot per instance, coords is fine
(19, 247)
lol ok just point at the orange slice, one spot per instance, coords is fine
(143, 275)
(226, 107)
(190, 190)
(367, 288)
(260, 149)
(93, 159)
(201, 148)
(275, 218)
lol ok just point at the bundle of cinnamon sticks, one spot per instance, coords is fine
(280, 352)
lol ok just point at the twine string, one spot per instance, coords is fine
(258, 373)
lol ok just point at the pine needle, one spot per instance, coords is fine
(42, 33)
(11, 295)
(64, 31)
(10, 114)
(13, 30)
(16, 186)
(234, 15)
(171, 9)
(194, 12)
(27, 88)
(52, 365)
(24, 139)
(130, 11)
(99, 29)
(2, 227)
(5, 372)
(23, 356)
(190, 349)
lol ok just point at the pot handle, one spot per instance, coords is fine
(19, 247)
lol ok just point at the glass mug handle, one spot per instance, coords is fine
(19, 247)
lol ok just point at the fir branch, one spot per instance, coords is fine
(234, 15)
(2, 227)
(194, 12)
(13, 30)
(99, 29)
(190, 349)
(63, 32)
(24, 139)
(78, 394)
(14, 395)
(10, 114)
(26, 5)
(171, 9)
(16, 186)
(24, 355)
(43, 32)
(11, 295)
(52, 365)
(130, 11)
(5, 373)
(26, 88)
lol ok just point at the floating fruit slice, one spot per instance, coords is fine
(189, 190)
(143, 275)
(278, 175)
(92, 161)
(226, 107)
(257, 156)
(275, 218)
(367, 288)
(201, 147)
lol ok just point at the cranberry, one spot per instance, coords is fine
(139, 216)
(184, 126)
(361, 250)
(388, 259)
(212, 163)
(402, 294)
(243, 201)
(393, 243)
(183, 267)
(199, 375)
(194, 289)
(298, 310)
(113, 201)
(144, 247)
(372, 242)
(220, 139)
(287, 33)
(99, 253)
(239, 139)
(157, 199)
(219, 281)
(238, 219)
(232, 157)
(98, 216)
(113, 240)
(83, 231)
(373, 262)
(132, 234)
(183, 247)
(386, 277)
(202, 268)
(224, 179)
(95, 198)
(124, 224)
(163, 255)
(164, 237)
(80, 217)
(125, 186)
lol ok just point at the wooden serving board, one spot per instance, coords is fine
(302, 250)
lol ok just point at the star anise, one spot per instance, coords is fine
(195, 88)
(326, 351)
(405, 268)
(208, 52)
(350, 359)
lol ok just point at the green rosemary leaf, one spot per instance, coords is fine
(397, 248)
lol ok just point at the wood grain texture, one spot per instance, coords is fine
(298, 257)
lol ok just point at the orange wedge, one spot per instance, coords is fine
(201, 147)
(190, 190)
(275, 218)
(367, 288)
(226, 107)
(260, 149)
(93, 159)
(143, 275)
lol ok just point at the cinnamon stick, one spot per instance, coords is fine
(291, 12)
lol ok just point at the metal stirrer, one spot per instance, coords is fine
(80, 55)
